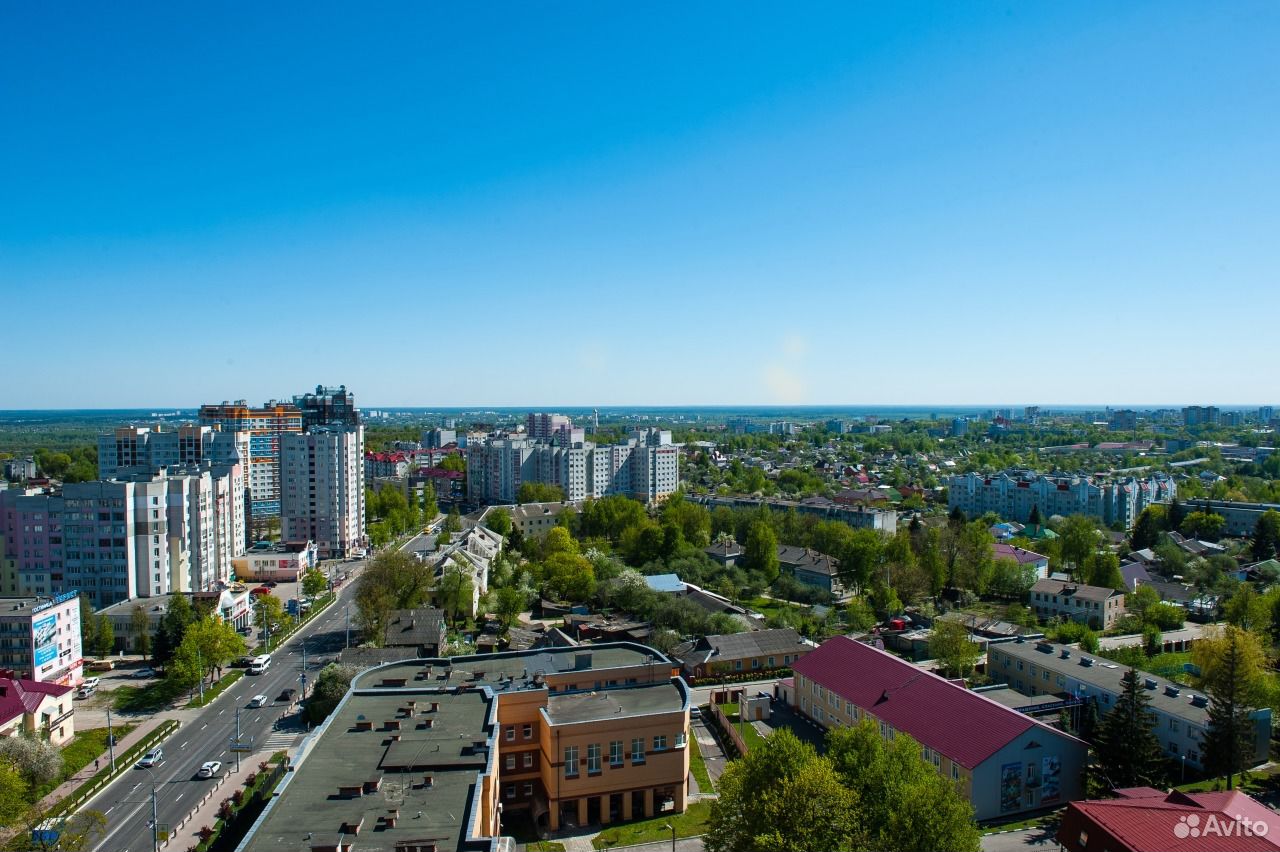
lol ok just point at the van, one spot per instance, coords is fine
(101, 666)
(259, 664)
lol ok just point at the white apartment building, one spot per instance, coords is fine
(137, 536)
(1013, 494)
(322, 489)
(646, 467)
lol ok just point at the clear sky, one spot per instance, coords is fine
(603, 203)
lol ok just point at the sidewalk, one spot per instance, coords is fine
(123, 744)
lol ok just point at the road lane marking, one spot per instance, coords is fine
(205, 725)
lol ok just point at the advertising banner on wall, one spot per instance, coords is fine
(1010, 787)
(44, 635)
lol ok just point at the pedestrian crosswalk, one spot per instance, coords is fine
(280, 740)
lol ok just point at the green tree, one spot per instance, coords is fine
(454, 462)
(314, 583)
(499, 520)
(1206, 526)
(1103, 569)
(76, 833)
(36, 759)
(1140, 600)
(216, 642)
(140, 628)
(268, 613)
(1176, 514)
(173, 626)
(1128, 750)
(1266, 536)
(453, 521)
(949, 644)
(454, 592)
(1146, 532)
(88, 624)
(760, 553)
(782, 796)
(1034, 520)
(508, 604)
(904, 802)
(539, 492)
(13, 793)
(430, 508)
(1249, 610)
(1079, 538)
(104, 636)
(331, 684)
(1231, 665)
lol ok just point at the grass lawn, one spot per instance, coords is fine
(688, 824)
(545, 846)
(1253, 782)
(144, 699)
(1170, 666)
(79, 753)
(699, 768)
(1019, 825)
(748, 731)
(214, 691)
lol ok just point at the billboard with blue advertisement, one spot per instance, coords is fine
(44, 634)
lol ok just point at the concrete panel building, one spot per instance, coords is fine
(40, 638)
(265, 425)
(322, 489)
(1013, 494)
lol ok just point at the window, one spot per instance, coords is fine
(637, 750)
(680, 740)
(737, 665)
(1173, 724)
(528, 788)
(528, 732)
(511, 761)
(660, 742)
(773, 661)
(528, 760)
(955, 772)
(615, 753)
(511, 791)
(593, 758)
(570, 761)
(511, 733)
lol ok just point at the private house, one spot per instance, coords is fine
(37, 709)
(421, 629)
(1001, 550)
(812, 568)
(1095, 606)
(1005, 762)
(1143, 819)
(759, 651)
(726, 551)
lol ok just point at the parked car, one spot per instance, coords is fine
(287, 695)
(209, 769)
(271, 584)
(144, 672)
(260, 590)
(101, 666)
(155, 757)
(258, 701)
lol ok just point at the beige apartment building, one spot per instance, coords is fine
(446, 750)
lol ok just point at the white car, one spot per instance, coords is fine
(258, 701)
(89, 683)
(155, 757)
(209, 769)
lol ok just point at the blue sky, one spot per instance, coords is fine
(604, 203)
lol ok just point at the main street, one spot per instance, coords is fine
(207, 735)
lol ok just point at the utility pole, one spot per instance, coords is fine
(155, 820)
(303, 677)
(200, 666)
(347, 610)
(237, 739)
(111, 742)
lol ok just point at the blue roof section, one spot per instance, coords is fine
(665, 583)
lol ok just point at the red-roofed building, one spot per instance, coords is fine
(1142, 819)
(36, 708)
(1005, 761)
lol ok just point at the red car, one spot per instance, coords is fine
(261, 590)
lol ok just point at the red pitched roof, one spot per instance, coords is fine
(1146, 820)
(963, 725)
(19, 695)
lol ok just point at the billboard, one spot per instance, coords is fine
(44, 635)
(1010, 787)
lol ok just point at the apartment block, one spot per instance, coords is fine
(266, 426)
(1051, 669)
(1123, 420)
(328, 407)
(646, 467)
(1013, 494)
(1096, 606)
(860, 517)
(137, 536)
(40, 638)
(438, 753)
(132, 450)
(1200, 415)
(322, 489)
(1004, 762)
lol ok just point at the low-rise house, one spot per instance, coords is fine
(1134, 574)
(284, 562)
(726, 551)
(1143, 819)
(1005, 762)
(1095, 606)
(1001, 550)
(812, 568)
(756, 651)
(422, 629)
(1181, 714)
(537, 518)
(37, 709)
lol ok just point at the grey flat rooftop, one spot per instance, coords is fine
(311, 808)
(611, 703)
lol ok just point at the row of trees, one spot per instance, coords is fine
(865, 793)
(397, 580)
(392, 514)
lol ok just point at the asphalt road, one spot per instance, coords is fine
(127, 801)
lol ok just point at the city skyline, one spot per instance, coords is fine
(916, 204)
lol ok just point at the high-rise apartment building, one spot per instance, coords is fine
(645, 467)
(266, 426)
(1013, 494)
(1266, 414)
(322, 489)
(142, 449)
(142, 535)
(1123, 420)
(328, 407)
(1200, 415)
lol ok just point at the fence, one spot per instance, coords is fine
(727, 728)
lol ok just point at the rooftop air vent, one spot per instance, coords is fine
(1086, 661)
(1171, 690)
(1149, 683)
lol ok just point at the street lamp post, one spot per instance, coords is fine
(1184, 769)
(155, 817)
(672, 829)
